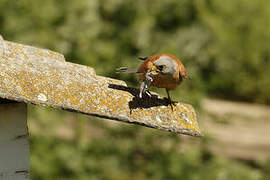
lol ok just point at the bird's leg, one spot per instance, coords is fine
(169, 98)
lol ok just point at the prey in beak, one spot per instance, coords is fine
(146, 83)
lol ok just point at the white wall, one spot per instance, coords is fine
(14, 141)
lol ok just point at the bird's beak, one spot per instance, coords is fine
(154, 68)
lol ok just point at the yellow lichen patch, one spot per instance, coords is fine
(40, 76)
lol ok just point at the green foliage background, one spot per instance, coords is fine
(225, 46)
(117, 151)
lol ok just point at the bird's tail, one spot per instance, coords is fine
(143, 58)
(126, 70)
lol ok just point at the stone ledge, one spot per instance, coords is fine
(42, 77)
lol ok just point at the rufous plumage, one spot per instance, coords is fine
(169, 71)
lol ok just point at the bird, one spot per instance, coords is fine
(170, 71)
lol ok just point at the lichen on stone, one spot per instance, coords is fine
(42, 77)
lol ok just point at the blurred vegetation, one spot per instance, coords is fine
(118, 151)
(225, 46)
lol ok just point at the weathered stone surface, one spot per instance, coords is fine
(43, 77)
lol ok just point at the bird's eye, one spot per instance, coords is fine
(161, 67)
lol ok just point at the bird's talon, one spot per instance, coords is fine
(172, 105)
